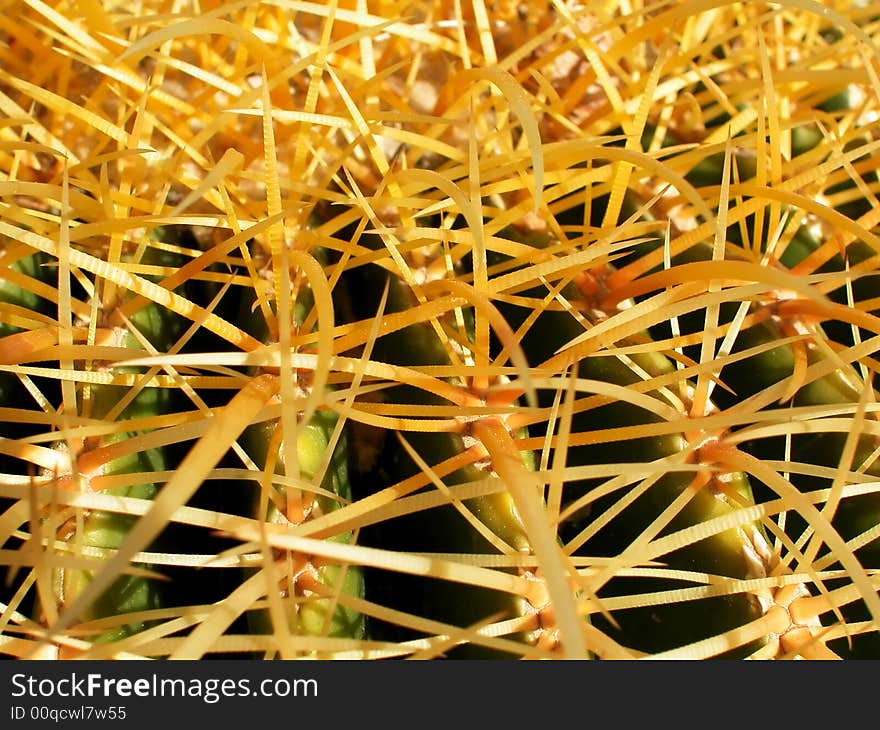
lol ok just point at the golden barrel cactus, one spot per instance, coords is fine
(372, 329)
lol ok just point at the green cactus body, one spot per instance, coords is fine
(853, 515)
(20, 279)
(106, 530)
(310, 614)
(441, 529)
(314, 615)
(737, 553)
(749, 376)
(128, 593)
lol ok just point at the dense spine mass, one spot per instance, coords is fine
(460, 329)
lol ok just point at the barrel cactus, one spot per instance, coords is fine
(439, 329)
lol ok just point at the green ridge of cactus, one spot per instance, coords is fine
(441, 529)
(128, 594)
(738, 553)
(315, 615)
